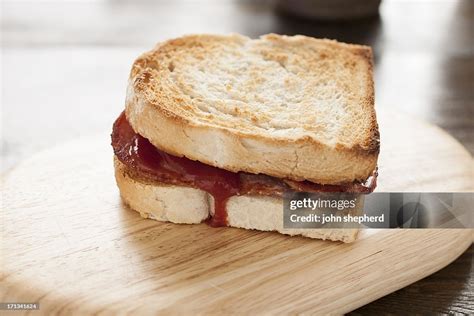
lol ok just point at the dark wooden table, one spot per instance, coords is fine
(65, 65)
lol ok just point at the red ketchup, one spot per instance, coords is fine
(137, 153)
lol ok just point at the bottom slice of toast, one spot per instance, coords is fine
(187, 205)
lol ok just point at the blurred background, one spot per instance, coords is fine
(65, 65)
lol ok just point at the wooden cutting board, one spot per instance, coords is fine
(70, 244)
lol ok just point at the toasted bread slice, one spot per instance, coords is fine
(290, 107)
(187, 205)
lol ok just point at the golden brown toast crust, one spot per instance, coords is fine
(290, 107)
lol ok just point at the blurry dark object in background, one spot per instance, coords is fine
(330, 10)
(366, 31)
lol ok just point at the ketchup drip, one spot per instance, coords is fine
(147, 161)
(138, 153)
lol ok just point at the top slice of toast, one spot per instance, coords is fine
(287, 106)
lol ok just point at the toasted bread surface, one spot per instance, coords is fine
(290, 107)
(186, 205)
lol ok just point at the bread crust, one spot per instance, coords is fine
(158, 110)
(187, 205)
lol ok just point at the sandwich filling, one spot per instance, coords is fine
(145, 162)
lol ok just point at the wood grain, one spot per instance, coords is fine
(432, 293)
(69, 243)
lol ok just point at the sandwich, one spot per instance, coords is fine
(216, 128)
